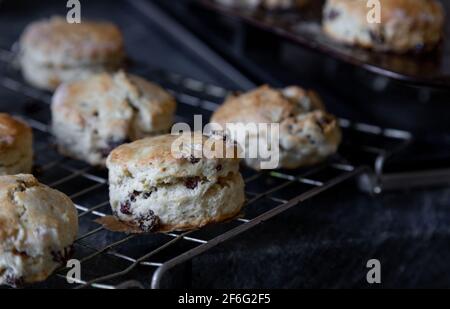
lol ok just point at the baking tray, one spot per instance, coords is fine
(303, 27)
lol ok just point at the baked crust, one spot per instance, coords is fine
(93, 116)
(158, 150)
(57, 43)
(158, 188)
(54, 51)
(12, 132)
(266, 105)
(16, 146)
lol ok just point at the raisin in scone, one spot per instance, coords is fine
(308, 134)
(16, 146)
(54, 51)
(94, 116)
(265, 4)
(166, 183)
(38, 226)
(406, 25)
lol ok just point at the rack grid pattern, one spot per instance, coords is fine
(113, 260)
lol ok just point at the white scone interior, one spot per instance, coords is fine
(92, 117)
(16, 146)
(38, 226)
(151, 189)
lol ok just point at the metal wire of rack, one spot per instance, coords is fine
(113, 260)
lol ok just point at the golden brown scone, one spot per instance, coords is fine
(16, 146)
(158, 186)
(93, 116)
(406, 25)
(54, 51)
(38, 226)
(308, 134)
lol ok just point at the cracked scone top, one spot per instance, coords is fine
(54, 51)
(16, 146)
(158, 187)
(38, 226)
(308, 134)
(92, 117)
(405, 24)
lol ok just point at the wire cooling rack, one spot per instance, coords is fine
(114, 260)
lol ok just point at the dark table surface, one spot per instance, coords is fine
(323, 243)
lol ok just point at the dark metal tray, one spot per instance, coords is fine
(303, 27)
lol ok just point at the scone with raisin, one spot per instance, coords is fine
(168, 183)
(307, 133)
(16, 146)
(265, 4)
(406, 25)
(54, 51)
(38, 227)
(94, 116)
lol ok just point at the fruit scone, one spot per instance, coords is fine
(307, 133)
(167, 183)
(16, 146)
(405, 25)
(92, 117)
(38, 227)
(266, 4)
(54, 51)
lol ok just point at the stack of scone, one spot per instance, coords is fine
(167, 182)
(308, 134)
(405, 25)
(16, 146)
(38, 227)
(91, 117)
(54, 51)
